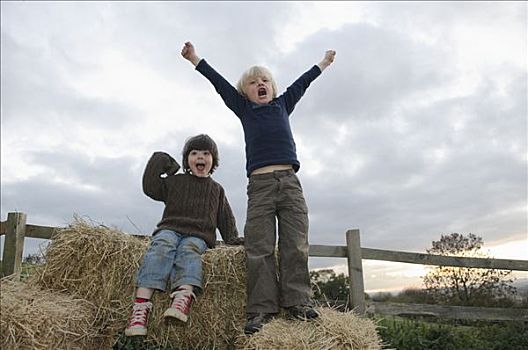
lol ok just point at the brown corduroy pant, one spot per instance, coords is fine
(276, 200)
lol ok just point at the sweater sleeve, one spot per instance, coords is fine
(233, 100)
(295, 91)
(226, 221)
(154, 185)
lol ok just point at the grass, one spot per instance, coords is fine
(409, 334)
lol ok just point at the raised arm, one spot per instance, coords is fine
(189, 53)
(153, 184)
(229, 94)
(327, 60)
(295, 91)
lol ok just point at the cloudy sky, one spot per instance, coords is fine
(418, 129)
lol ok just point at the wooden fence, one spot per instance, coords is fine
(16, 229)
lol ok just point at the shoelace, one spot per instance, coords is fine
(180, 298)
(140, 312)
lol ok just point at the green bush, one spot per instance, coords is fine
(406, 334)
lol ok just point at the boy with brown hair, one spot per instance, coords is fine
(195, 206)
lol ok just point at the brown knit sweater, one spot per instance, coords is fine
(194, 205)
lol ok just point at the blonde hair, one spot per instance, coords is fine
(256, 71)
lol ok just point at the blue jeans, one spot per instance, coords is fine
(172, 257)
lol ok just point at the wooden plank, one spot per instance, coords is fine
(37, 231)
(327, 251)
(429, 259)
(355, 272)
(448, 312)
(420, 258)
(315, 250)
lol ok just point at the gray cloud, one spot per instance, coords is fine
(44, 96)
(374, 70)
(401, 192)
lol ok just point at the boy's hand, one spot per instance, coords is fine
(327, 60)
(172, 168)
(329, 56)
(189, 53)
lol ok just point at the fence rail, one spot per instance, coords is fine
(16, 229)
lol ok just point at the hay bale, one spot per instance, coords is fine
(218, 316)
(95, 263)
(37, 319)
(333, 330)
(99, 264)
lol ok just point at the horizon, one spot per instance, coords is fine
(408, 275)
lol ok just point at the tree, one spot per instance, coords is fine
(34, 259)
(467, 286)
(407, 295)
(328, 286)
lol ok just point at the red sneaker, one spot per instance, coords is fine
(181, 304)
(137, 325)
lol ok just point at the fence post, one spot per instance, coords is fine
(14, 244)
(355, 272)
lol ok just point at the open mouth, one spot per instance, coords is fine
(262, 92)
(200, 166)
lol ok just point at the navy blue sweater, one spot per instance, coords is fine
(267, 130)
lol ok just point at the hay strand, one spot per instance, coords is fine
(37, 319)
(332, 330)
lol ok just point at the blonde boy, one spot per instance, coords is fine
(275, 194)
